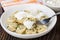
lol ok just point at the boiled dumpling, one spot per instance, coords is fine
(31, 31)
(21, 29)
(41, 28)
(11, 19)
(12, 26)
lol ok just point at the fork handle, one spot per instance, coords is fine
(56, 14)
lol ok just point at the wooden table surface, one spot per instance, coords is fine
(52, 35)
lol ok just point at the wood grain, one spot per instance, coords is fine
(54, 34)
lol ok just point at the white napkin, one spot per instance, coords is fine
(6, 4)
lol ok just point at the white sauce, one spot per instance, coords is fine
(28, 24)
(20, 15)
(53, 2)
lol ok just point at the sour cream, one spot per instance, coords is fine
(20, 15)
(53, 2)
(28, 24)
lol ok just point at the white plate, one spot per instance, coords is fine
(43, 8)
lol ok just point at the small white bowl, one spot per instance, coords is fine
(55, 8)
(43, 8)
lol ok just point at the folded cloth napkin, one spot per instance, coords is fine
(10, 3)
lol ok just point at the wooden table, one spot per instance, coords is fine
(52, 35)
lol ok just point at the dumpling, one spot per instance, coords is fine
(32, 19)
(41, 28)
(21, 29)
(31, 31)
(11, 19)
(12, 26)
(21, 21)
